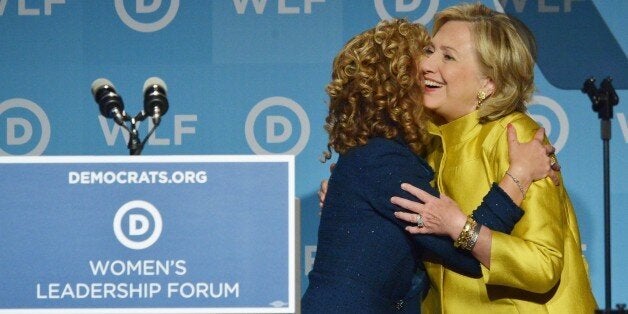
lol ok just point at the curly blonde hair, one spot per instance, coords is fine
(374, 91)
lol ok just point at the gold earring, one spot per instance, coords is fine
(481, 97)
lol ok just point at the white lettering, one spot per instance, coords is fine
(98, 268)
(140, 267)
(67, 292)
(283, 9)
(308, 5)
(22, 10)
(543, 8)
(188, 290)
(118, 268)
(519, 4)
(48, 5)
(282, 6)
(39, 294)
(73, 177)
(111, 133)
(153, 139)
(134, 177)
(97, 290)
(240, 5)
(179, 129)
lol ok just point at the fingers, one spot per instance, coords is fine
(411, 219)
(512, 134)
(332, 166)
(322, 191)
(406, 204)
(407, 217)
(540, 134)
(417, 230)
(555, 166)
(420, 194)
(549, 149)
(554, 177)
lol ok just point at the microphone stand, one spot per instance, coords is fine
(134, 145)
(603, 100)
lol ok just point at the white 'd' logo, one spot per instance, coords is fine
(403, 8)
(13, 138)
(272, 125)
(141, 7)
(138, 224)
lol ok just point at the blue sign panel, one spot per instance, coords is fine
(139, 234)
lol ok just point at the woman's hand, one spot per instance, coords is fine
(532, 160)
(322, 190)
(440, 216)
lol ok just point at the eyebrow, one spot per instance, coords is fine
(448, 48)
(443, 47)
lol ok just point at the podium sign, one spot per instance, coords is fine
(147, 234)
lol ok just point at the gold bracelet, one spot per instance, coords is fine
(468, 236)
(518, 183)
(474, 237)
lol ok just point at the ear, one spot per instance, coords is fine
(488, 86)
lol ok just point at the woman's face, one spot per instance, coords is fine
(450, 72)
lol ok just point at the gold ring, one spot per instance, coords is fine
(553, 159)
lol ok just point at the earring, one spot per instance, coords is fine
(481, 97)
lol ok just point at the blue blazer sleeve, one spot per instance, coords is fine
(498, 211)
(389, 163)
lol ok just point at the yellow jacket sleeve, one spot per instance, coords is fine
(531, 257)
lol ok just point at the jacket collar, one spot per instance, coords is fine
(457, 131)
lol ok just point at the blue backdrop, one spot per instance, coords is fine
(248, 77)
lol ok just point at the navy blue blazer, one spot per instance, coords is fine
(365, 261)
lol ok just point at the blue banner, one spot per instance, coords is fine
(148, 234)
(248, 77)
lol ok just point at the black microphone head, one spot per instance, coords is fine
(588, 87)
(155, 96)
(106, 97)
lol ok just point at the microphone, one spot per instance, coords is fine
(589, 88)
(155, 99)
(108, 100)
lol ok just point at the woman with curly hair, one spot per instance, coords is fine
(365, 261)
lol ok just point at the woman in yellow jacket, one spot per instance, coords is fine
(477, 76)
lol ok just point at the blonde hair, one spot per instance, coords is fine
(374, 91)
(505, 51)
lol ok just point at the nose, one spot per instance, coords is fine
(428, 64)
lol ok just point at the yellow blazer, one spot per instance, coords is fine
(539, 268)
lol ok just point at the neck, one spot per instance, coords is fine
(446, 118)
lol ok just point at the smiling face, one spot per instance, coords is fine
(451, 73)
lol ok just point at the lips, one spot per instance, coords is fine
(432, 84)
